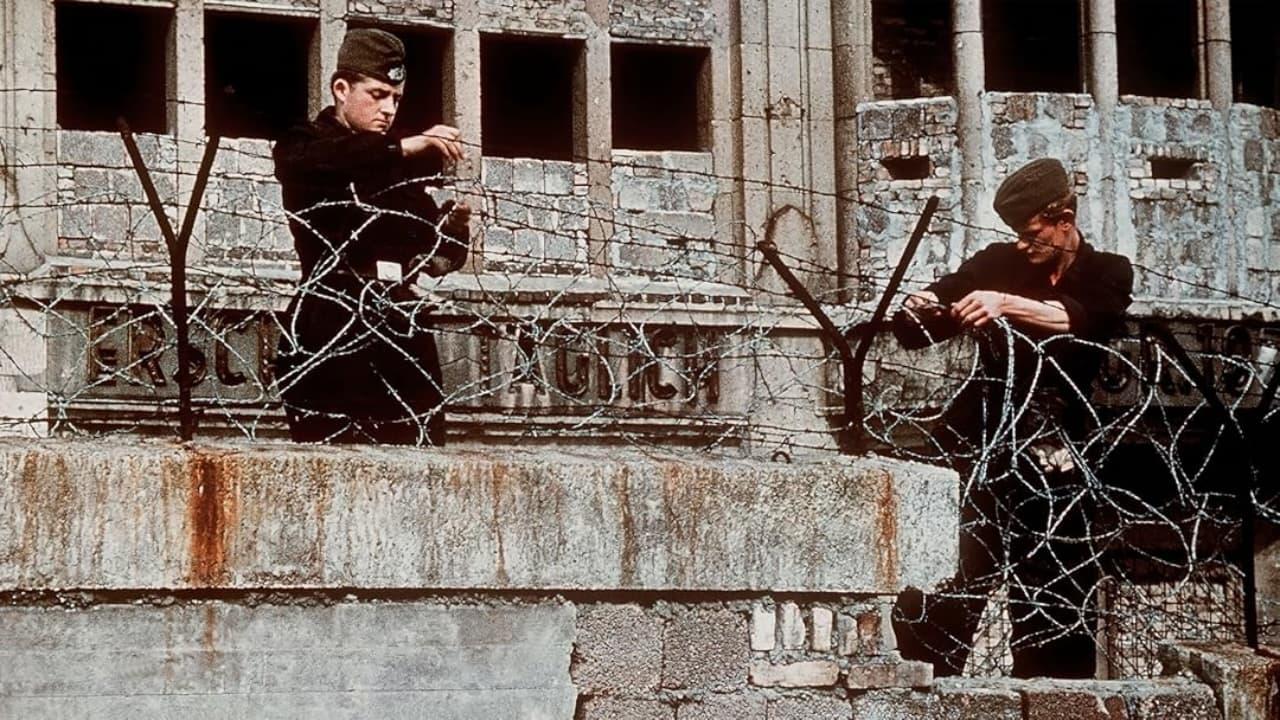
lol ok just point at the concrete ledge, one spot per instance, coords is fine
(141, 515)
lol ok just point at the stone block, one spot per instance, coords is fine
(527, 176)
(763, 626)
(875, 124)
(822, 628)
(976, 699)
(111, 223)
(562, 247)
(150, 661)
(99, 149)
(255, 158)
(527, 245)
(618, 647)
(792, 625)
(1064, 703)
(551, 518)
(498, 239)
(558, 178)
(575, 213)
(609, 708)
(803, 673)
(811, 707)
(635, 194)
(1174, 699)
(724, 706)
(511, 211)
(497, 174)
(897, 705)
(877, 675)
(91, 184)
(75, 221)
(1240, 678)
(705, 648)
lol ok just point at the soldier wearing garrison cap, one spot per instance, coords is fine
(1053, 289)
(357, 362)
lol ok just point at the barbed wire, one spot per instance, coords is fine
(695, 345)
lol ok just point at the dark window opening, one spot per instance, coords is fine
(658, 101)
(1255, 51)
(915, 167)
(912, 47)
(111, 63)
(1157, 47)
(259, 92)
(424, 68)
(1032, 46)
(527, 96)
(1168, 168)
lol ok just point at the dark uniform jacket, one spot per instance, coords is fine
(353, 345)
(1096, 290)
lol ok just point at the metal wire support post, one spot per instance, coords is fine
(851, 361)
(177, 245)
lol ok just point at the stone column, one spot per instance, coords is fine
(324, 52)
(852, 80)
(970, 70)
(593, 133)
(185, 113)
(1217, 52)
(724, 86)
(28, 135)
(1104, 84)
(462, 109)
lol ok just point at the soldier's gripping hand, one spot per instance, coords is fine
(456, 226)
(444, 139)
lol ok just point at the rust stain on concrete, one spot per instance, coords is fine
(628, 528)
(886, 532)
(212, 512)
(497, 488)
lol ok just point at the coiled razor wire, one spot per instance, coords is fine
(704, 349)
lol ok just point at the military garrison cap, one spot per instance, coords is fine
(1030, 189)
(376, 53)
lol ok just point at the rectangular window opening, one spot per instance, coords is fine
(111, 62)
(260, 93)
(1157, 47)
(527, 87)
(659, 101)
(1255, 51)
(424, 69)
(914, 167)
(912, 48)
(1032, 46)
(1169, 168)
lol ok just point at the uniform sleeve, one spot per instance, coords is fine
(302, 156)
(1099, 313)
(976, 273)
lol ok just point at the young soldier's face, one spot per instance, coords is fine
(368, 104)
(1044, 239)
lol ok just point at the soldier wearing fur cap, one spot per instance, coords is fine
(1010, 430)
(356, 362)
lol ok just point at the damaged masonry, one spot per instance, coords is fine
(659, 498)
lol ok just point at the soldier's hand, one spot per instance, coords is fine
(444, 139)
(438, 266)
(457, 220)
(978, 308)
(922, 302)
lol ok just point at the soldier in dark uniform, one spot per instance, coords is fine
(1010, 429)
(356, 362)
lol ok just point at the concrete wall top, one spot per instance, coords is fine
(156, 515)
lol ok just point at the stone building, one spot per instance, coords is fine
(627, 156)
(669, 138)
